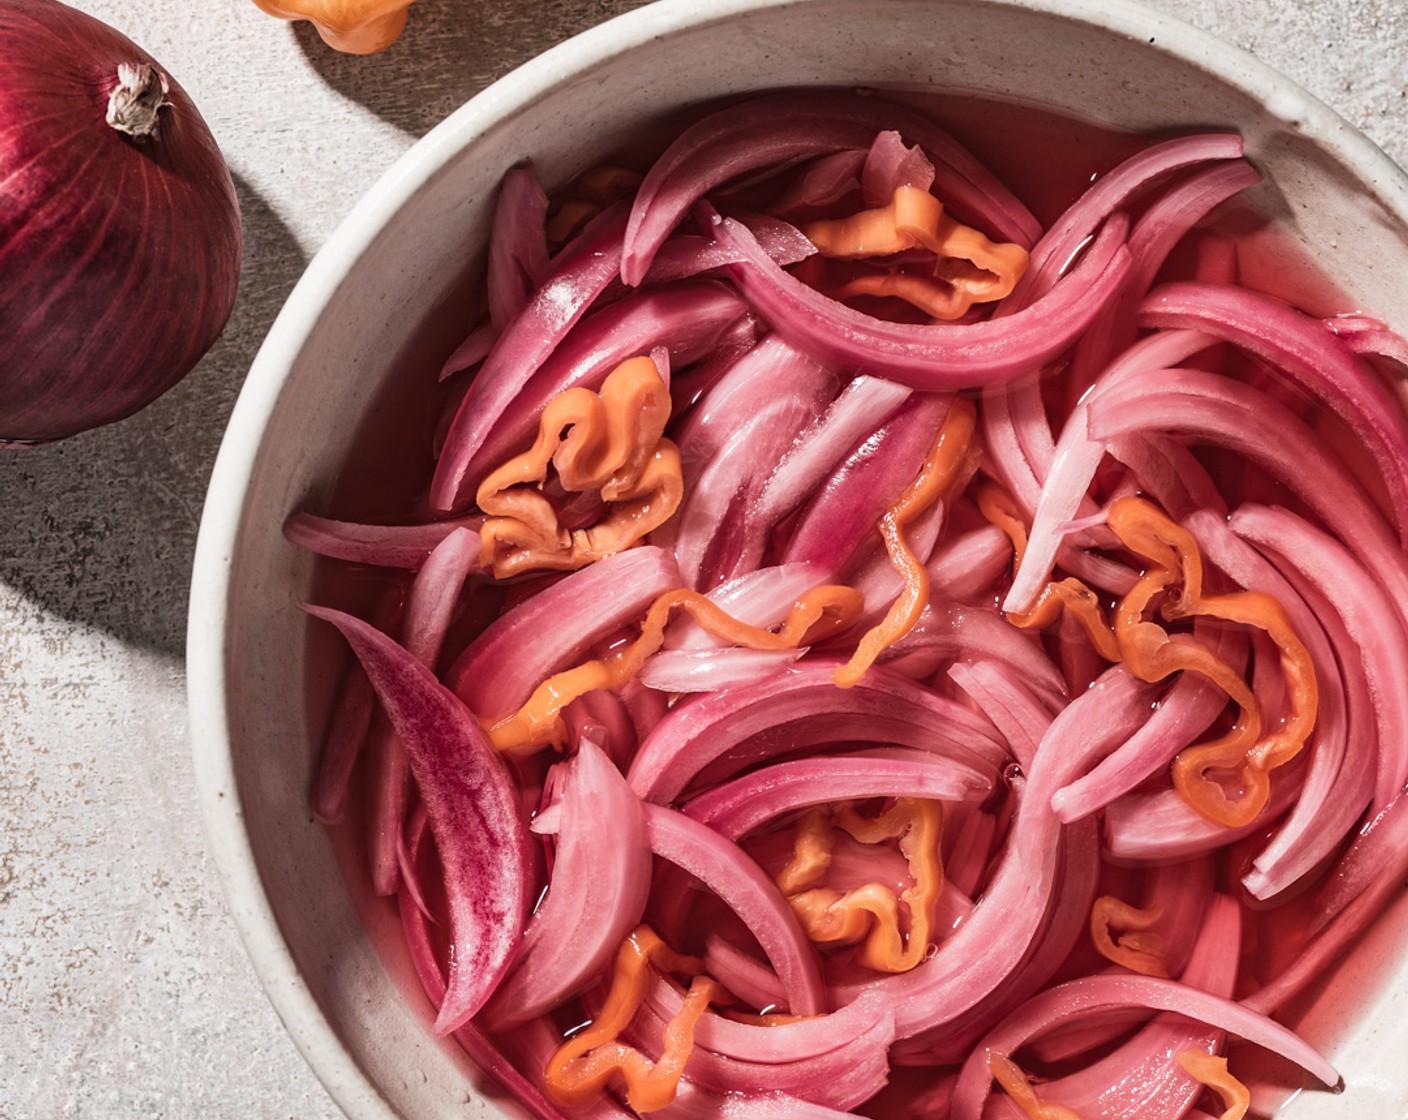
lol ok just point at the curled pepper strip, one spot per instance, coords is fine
(969, 268)
(1212, 1071)
(1018, 1086)
(1172, 586)
(1175, 577)
(942, 468)
(820, 613)
(611, 442)
(1137, 948)
(584, 1064)
(998, 508)
(869, 914)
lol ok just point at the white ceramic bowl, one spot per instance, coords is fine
(377, 298)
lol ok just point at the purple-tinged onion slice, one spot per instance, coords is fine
(474, 815)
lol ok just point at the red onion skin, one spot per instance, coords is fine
(121, 255)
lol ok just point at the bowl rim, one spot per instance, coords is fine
(221, 521)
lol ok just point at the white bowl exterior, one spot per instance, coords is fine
(375, 300)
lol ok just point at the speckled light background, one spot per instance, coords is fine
(124, 991)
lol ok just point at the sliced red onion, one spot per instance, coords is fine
(577, 276)
(603, 716)
(864, 406)
(1369, 620)
(1161, 227)
(1148, 826)
(518, 246)
(474, 815)
(963, 568)
(822, 182)
(1051, 255)
(944, 356)
(430, 605)
(1093, 994)
(989, 946)
(1014, 709)
(764, 131)
(1370, 875)
(556, 627)
(737, 807)
(874, 575)
(722, 867)
(1076, 458)
(1142, 1080)
(1183, 713)
(771, 368)
(889, 165)
(485, 1051)
(1305, 350)
(803, 706)
(343, 741)
(1067, 923)
(694, 1102)
(596, 895)
(687, 255)
(840, 1078)
(1233, 415)
(714, 528)
(876, 471)
(781, 1043)
(469, 353)
(946, 631)
(387, 546)
(708, 670)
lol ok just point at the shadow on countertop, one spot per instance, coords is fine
(450, 50)
(101, 528)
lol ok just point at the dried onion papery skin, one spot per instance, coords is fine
(119, 250)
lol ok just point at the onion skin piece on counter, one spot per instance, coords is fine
(119, 226)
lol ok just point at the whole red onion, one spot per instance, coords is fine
(119, 227)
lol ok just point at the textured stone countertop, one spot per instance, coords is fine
(124, 991)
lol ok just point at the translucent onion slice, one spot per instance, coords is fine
(802, 707)
(387, 546)
(556, 627)
(946, 356)
(737, 807)
(723, 867)
(596, 894)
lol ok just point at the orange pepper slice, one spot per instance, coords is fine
(612, 442)
(1136, 949)
(1176, 576)
(1018, 1086)
(351, 26)
(585, 1063)
(969, 268)
(942, 468)
(869, 914)
(821, 612)
(1172, 586)
(1212, 1071)
(999, 508)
